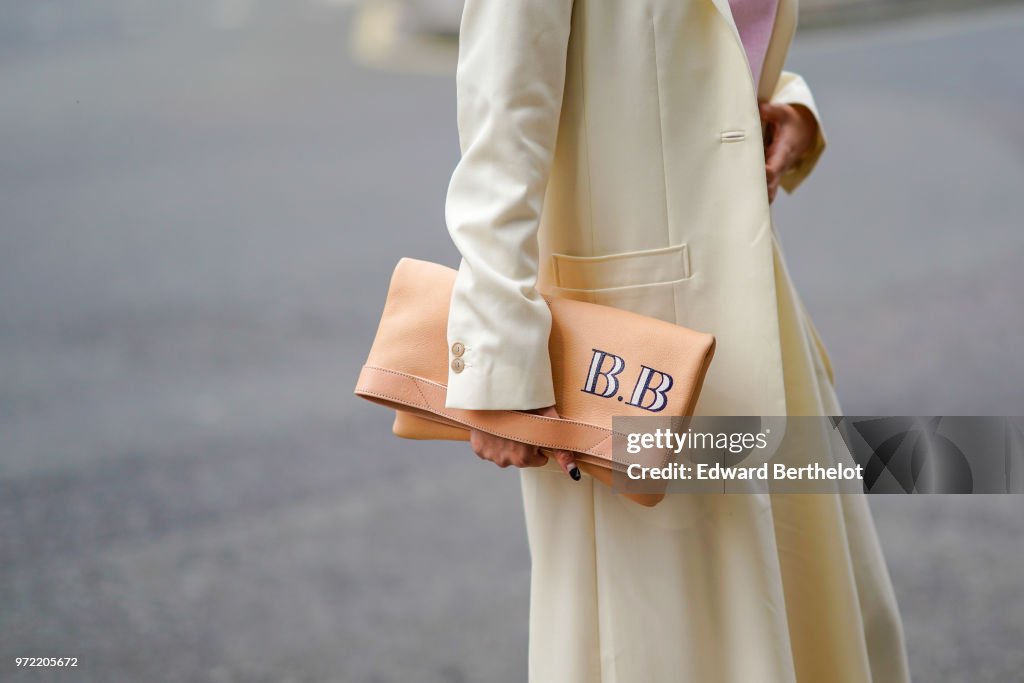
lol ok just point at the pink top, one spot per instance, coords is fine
(755, 19)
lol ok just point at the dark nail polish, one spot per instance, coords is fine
(574, 472)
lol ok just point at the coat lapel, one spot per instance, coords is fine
(778, 48)
(726, 11)
(778, 45)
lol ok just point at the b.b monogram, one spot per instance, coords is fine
(642, 389)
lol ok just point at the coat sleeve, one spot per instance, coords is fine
(509, 83)
(792, 89)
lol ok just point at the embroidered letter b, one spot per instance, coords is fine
(643, 387)
(611, 383)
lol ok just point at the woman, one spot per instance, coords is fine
(613, 152)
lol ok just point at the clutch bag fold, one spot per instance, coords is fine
(605, 362)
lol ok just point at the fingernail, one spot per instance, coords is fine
(574, 472)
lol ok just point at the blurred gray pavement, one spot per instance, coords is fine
(838, 13)
(200, 205)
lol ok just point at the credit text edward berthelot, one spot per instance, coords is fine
(731, 442)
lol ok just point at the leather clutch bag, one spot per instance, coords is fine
(605, 362)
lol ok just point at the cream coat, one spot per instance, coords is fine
(612, 152)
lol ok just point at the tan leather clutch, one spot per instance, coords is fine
(605, 362)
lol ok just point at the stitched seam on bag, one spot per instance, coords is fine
(587, 451)
(548, 420)
(426, 403)
(604, 437)
(612, 458)
(606, 432)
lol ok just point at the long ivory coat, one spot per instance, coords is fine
(612, 152)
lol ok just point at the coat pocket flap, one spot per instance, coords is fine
(648, 266)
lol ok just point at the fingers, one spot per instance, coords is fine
(508, 453)
(568, 463)
(777, 157)
(564, 458)
(776, 113)
(794, 130)
(779, 152)
(531, 457)
(505, 452)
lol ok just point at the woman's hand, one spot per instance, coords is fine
(504, 452)
(794, 131)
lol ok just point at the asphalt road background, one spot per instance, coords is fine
(200, 205)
